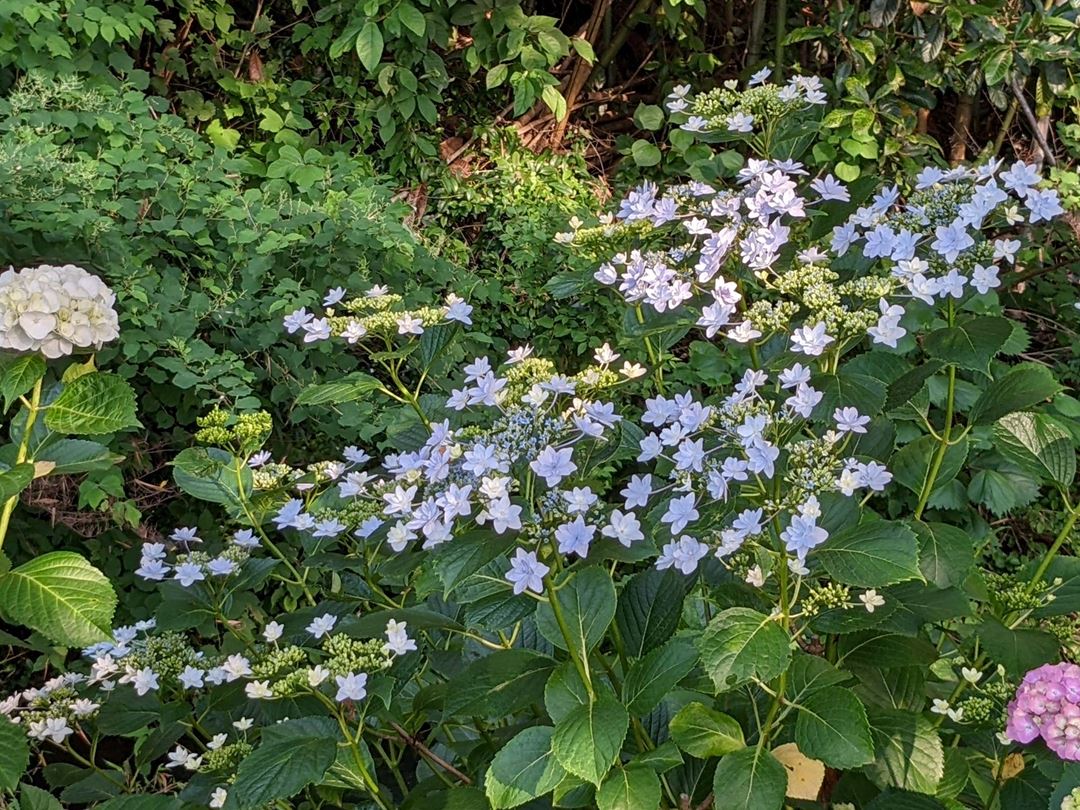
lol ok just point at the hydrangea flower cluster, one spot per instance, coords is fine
(321, 662)
(1047, 705)
(734, 468)
(512, 469)
(378, 313)
(730, 110)
(192, 565)
(55, 310)
(721, 252)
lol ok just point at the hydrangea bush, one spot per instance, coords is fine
(624, 587)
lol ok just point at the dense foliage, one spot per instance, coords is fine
(622, 405)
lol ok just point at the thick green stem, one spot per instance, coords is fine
(33, 408)
(942, 448)
(580, 664)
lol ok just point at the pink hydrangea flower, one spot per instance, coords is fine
(1047, 705)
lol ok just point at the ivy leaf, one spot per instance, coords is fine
(741, 644)
(524, 769)
(14, 753)
(297, 755)
(750, 779)
(18, 375)
(1026, 385)
(93, 404)
(871, 555)
(369, 46)
(703, 732)
(60, 595)
(588, 740)
(1037, 444)
(636, 787)
(652, 677)
(588, 604)
(832, 727)
(971, 345)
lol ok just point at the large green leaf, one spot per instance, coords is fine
(498, 684)
(871, 555)
(298, 754)
(633, 788)
(912, 462)
(15, 480)
(524, 769)
(588, 605)
(349, 388)
(214, 475)
(703, 732)
(18, 375)
(60, 595)
(946, 553)
(77, 456)
(750, 779)
(14, 753)
(884, 648)
(1037, 444)
(907, 751)
(971, 345)
(455, 562)
(741, 644)
(93, 404)
(1024, 386)
(33, 798)
(588, 740)
(832, 726)
(649, 608)
(652, 677)
(369, 45)
(1018, 650)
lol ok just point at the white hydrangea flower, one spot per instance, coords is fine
(55, 310)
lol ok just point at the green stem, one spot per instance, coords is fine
(580, 664)
(942, 448)
(781, 32)
(1059, 541)
(34, 406)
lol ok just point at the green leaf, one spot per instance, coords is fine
(498, 684)
(909, 384)
(907, 751)
(583, 48)
(14, 754)
(970, 345)
(946, 553)
(32, 798)
(1017, 650)
(883, 648)
(369, 46)
(871, 555)
(349, 388)
(554, 101)
(60, 595)
(15, 480)
(588, 740)
(703, 732)
(523, 770)
(564, 692)
(93, 404)
(18, 375)
(296, 756)
(636, 787)
(912, 462)
(831, 726)
(412, 18)
(1026, 385)
(496, 76)
(649, 116)
(77, 456)
(649, 609)
(996, 65)
(652, 677)
(750, 779)
(588, 605)
(214, 475)
(456, 562)
(741, 644)
(1037, 444)
(645, 154)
